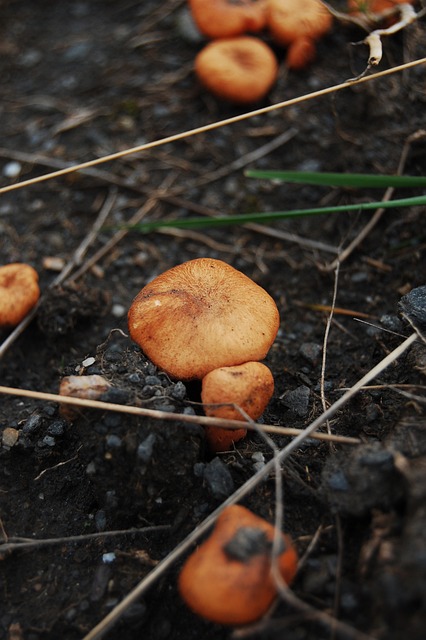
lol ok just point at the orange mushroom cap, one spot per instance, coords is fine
(300, 53)
(19, 292)
(289, 20)
(225, 18)
(228, 578)
(240, 70)
(202, 315)
(249, 386)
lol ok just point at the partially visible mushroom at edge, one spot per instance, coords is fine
(19, 292)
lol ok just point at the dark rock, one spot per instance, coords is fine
(218, 479)
(297, 400)
(363, 480)
(413, 305)
(311, 351)
(146, 447)
(32, 425)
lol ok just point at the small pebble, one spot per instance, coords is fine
(57, 428)
(113, 442)
(88, 362)
(179, 391)
(146, 448)
(9, 437)
(118, 310)
(108, 558)
(218, 479)
(12, 170)
(100, 520)
(53, 263)
(48, 441)
(391, 322)
(297, 400)
(311, 351)
(33, 423)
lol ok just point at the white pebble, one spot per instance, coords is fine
(88, 362)
(118, 311)
(12, 169)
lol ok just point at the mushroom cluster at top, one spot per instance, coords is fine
(242, 68)
(202, 316)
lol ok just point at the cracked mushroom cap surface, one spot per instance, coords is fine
(202, 315)
(19, 292)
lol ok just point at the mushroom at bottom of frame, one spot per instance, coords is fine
(233, 393)
(228, 579)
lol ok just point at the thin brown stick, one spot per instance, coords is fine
(210, 127)
(17, 543)
(325, 343)
(168, 416)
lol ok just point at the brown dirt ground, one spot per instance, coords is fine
(84, 79)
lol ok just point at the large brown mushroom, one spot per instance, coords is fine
(240, 70)
(248, 386)
(19, 292)
(202, 315)
(228, 578)
(226, 18)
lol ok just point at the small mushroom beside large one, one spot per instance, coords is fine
(225, 391)
(240, 70)
(226, 18)
(19, 292)
(228, 579)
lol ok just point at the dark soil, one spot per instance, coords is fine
(85, 79)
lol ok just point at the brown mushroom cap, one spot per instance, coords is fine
(249, 386)
(202, 315)
(19, 292)
(289, 20)
(300, 53)
(228, 578)
(240, 70)
(227, 18)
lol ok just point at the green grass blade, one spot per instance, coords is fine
(263, 218)
(339, 179)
